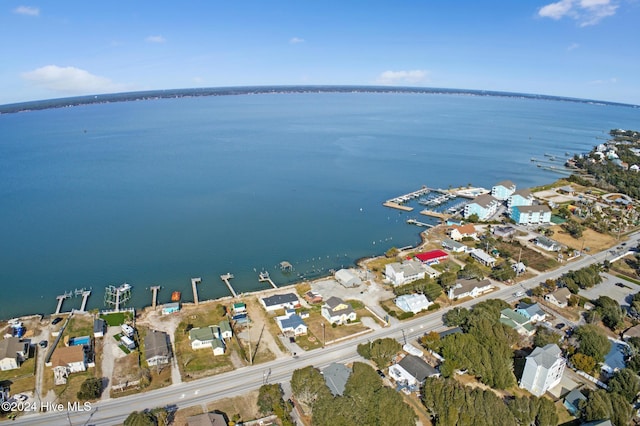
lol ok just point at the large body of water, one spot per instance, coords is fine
(157, 192)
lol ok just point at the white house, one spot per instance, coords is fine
(224, 330)
(547, 244)
(347, 278)
(202, 337)
(99, 327)
(453, 246)
(560, 297)
(483, 257)
(469, 288)
(127, 330)
(292, 324)
(502, 190)
(13, 353)
(411, 371)
(412, 302)
(543, 369)
(280, 301)
(457, 233)
(531, 215)
(405, 272)
(336, 311)
(533, 313)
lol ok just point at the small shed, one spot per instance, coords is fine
(348, 278)
(170, 308)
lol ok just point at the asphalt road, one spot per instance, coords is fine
(242, 380)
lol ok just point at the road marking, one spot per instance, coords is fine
(182, 396)
(196, 392)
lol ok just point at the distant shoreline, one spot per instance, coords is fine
(260, 90)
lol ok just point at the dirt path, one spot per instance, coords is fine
(259, 321)
(110, 352)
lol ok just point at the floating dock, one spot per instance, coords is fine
(396, 203)
(264, 277)
(226, 277)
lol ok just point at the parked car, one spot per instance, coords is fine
(380, 373)
(43, 343)
(560, 325)
(56, 320)
(292, 339)
(20, 397)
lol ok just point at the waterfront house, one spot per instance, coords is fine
(313, 297)
(218, 347)
(66, 360)
(519, 323)
(280, 301)
(547, 244)
(156, 348)
(207, 419)
(533, 312)
(347, 278)
(170, 308)
(13, 352)
(202, 337)
(543, 369)
(432, 257)
(531, 215)
(411, 371)
(522, 197)
(484, 206)
(502, 190)
(483, 257)
(405, 272)
(453, 246)
(572, 401)
(457, 233)
(560, 297)
(239, 308)
(99, 327)
(337, 311)
(291, 324)
(224, 330)
(127, 330)
(335, 377)
(128, 342)
(412, 302)
(469, 288)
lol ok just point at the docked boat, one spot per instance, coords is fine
(175, 296)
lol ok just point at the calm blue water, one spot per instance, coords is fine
(156, 192)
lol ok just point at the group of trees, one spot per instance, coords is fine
(451, 403)
(586, 277)
(365, 401)
(380, 351)
(609, 311)
(593, 346)
(271, 401)
(91, 388)
(426, 286)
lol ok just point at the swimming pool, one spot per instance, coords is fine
(82, 340)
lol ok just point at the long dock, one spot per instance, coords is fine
(85, 298)
(433, 213)
(194, 287)
(397, 206)
(154, 297)
(226, 277)
(264, 277)
(396, 203)
(417, 223)
(61, 298)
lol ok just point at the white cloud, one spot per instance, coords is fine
(27, 10)
(155, 39)
(586, 12)
(403, 77)
(612, 80)
(573, 46)
(70, 80)
(296, 40)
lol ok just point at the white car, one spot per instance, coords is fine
(519, 294)
(20, 397)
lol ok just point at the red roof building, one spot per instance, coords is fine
(432, 256)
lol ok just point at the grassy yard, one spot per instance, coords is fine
(244, 406)
(128, 369)
(590, 239)
(116, 318)
(22, 379)
(315, 322)
(530, 257)
(79, 325)
(68, 392)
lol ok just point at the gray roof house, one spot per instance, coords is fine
(560, 297)
(13, 352)
(572, 401)
(471, 288)
(411, 370)
(280, 301)
(547, 244)
(337, 311)
(543, 369)
(156, 347)
(532, 312)
(99, 327)
(336, 376)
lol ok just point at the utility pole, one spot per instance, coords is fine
(403, 336)
(323, 336)
(249, 333)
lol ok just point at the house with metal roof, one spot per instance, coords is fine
(533, 312)
(224, 330)
(202, 337)
(412, 302)
(280, 301)
(572, 401)
(347, 278)
(469, 288)
(432, 257)
(99, 327)
(157, 348)
(518, 322)
(453, 246)
(543, 369)
(483, 257)
(547, 244)
(411, 371)
(336, 376)
(502, 190)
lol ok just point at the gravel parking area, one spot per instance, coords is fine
(616, 288)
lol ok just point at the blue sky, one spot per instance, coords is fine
(576, 48)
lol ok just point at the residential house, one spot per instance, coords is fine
(483, 205)
(224, 330)
(170, 308)
(547, 244)
(469, 288)
(128, 342)
(412, 302)
(347, 278)
(543, 369)
(504, 231)
(567, 189)
(457, 233)
(218, 347)
(572, 401)
(280, 301)
(239, 308)
(560, 297)
(522, 197)
(336, 311)
(454, 246)
(411, 371)
(207, 419)
(66, 360)
(99, 327)
(503, 190)
(483, 257)
(313, 297)
(292, 324)
(519, 268)
(531, 215)
(533, 313)
(127, 330)
(432, 257)
(518, 322)
(202, 337)
(336, 376)
(405, 272)
(156, 348)
(13, 352)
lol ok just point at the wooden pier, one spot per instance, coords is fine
(194, 284)
(154, 297)
(60, 300)
(417, 223)
(226, 277)
(433, 213)
(397, 206)
(85, 298)
(396, 203)
(264, 277)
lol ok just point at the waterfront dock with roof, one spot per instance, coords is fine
(264, 277)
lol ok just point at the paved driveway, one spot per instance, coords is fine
(621, 293)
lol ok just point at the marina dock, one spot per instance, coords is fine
(396, 203)
(264, 277)
(433, 213)
(397, 206)
(226, 277)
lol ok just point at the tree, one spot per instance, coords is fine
(592, 342)
(626, 383)
(544, 336)
(91, 388)
(602, 405)
(308, 386)
(431, 340)
(380, 351)
(269, 396)
(583, 362)
(611, 312)
(141, 418)
(455, 317)
(448, 278)
(474, 218)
